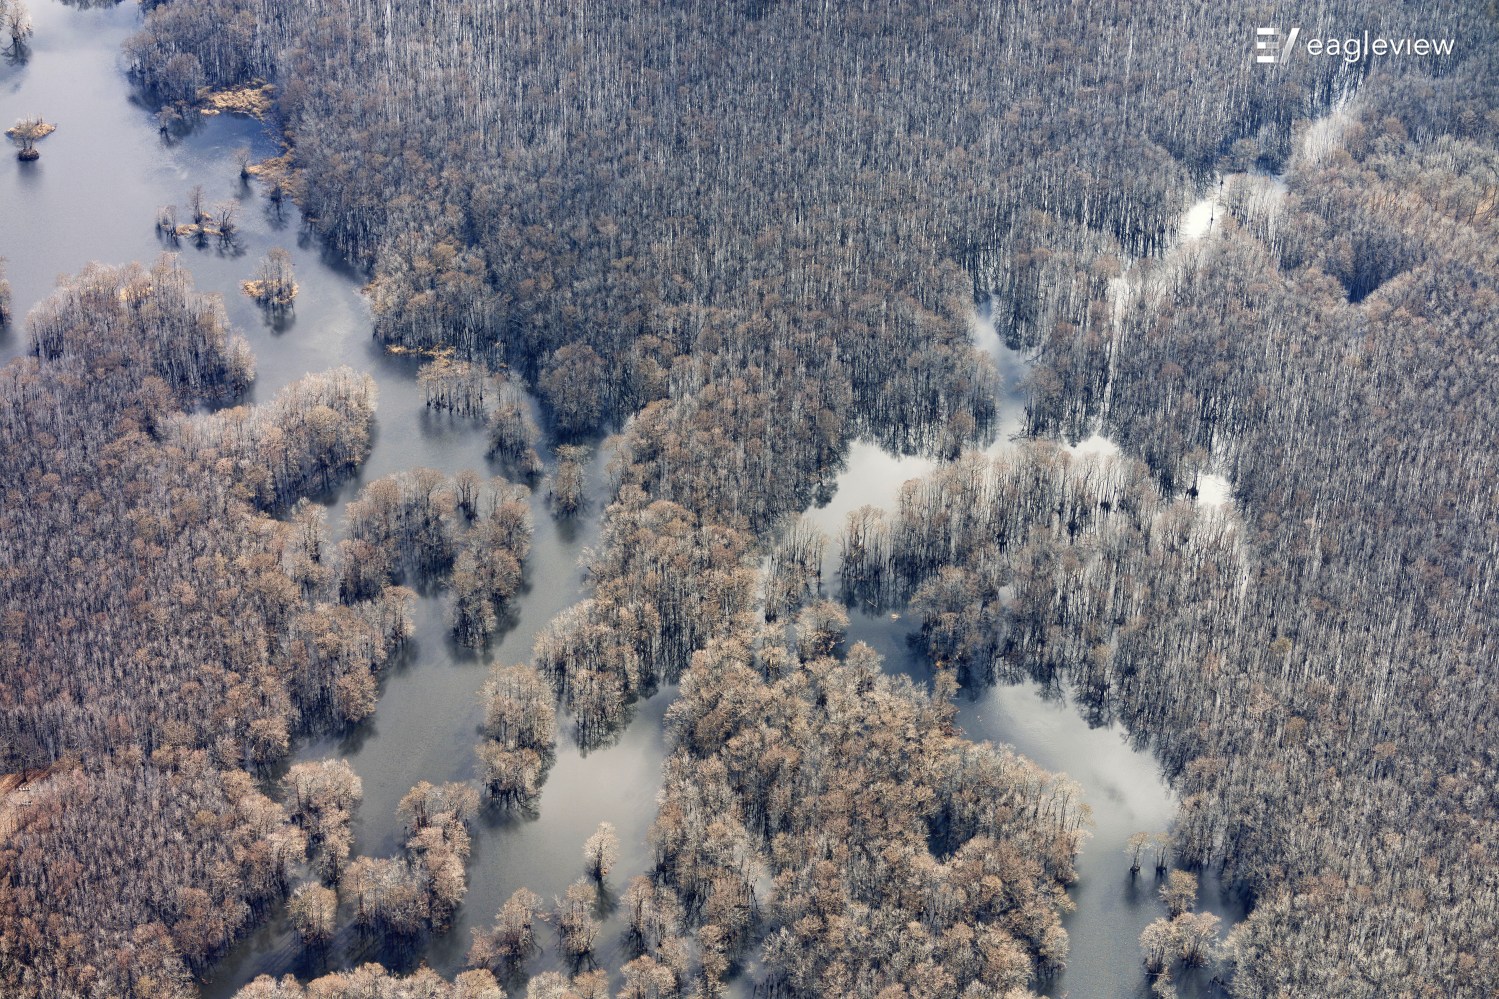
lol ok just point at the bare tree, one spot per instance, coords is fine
(577, 929)
(224, 218)
(17, 23)
(566, 486)
(314, 913)
(1179, 893)
(601, 851)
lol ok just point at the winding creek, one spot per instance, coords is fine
(93, 196)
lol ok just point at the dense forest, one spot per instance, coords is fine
(741, 236)
(157, 637)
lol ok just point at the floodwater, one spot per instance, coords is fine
(93, 196)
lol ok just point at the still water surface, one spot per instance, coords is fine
(93, 197)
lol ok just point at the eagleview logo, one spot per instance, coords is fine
(1267, 45)
(1270, 49)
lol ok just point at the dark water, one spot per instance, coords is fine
(93, 196)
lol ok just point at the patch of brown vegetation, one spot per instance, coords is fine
(40, 131)
(259, 291)
(253, 99)
(439, 354)
(189, 230)
(273, 165)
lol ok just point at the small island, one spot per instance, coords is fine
(26, 133)
(274, 287)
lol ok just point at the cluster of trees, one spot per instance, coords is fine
(754, 225)
(226, 49)
(1037, 563)
(321, 798)
(419, 890)
(372, 981)
(5, 306)
(574, 192)
(577, 930)
(274, 285)
(421, 524)
(313, 911)
(458, 386)
(1332, 352)
(520, 735)
(159, 633)
(177, 337)
(505, 946)
(813, 809)
(662, 583)
(513, 433)
(566, 486)
(792, 572)
(220, 220)
(306, 440)
(122, 515)
(1185, 937)
(898, 855)
(392, 898)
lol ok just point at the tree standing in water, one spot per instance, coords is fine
(16, 20)
(601, 851)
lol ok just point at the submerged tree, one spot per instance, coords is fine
(460, 387)
(513, 433)
(371, 980)
(314, 913)
(601, 851)
(1179, 893)
(321, 797)
(224, 219)
(16, 20)
(1135, 850)
(512, 938)
(403, 896)
(565, 490)
(520, 729)
(577, 930)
